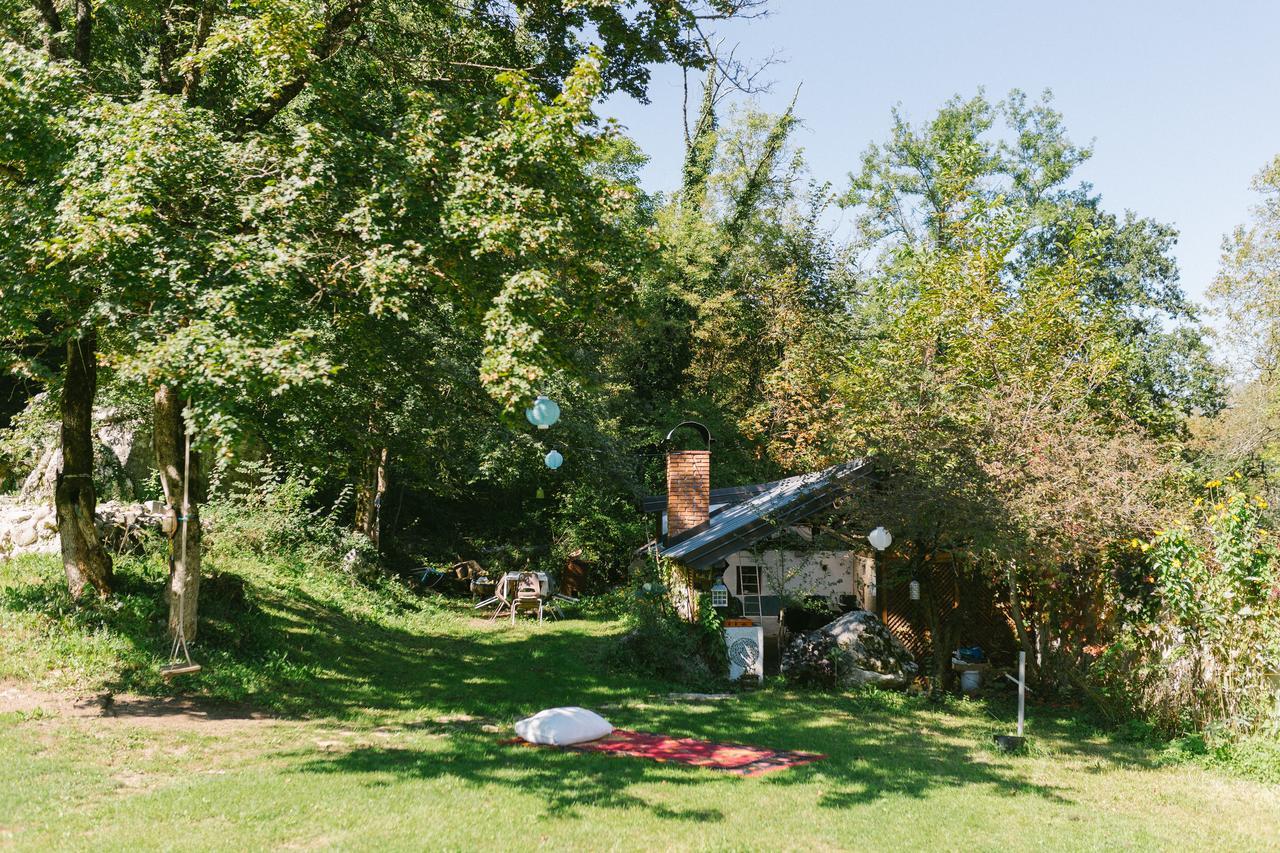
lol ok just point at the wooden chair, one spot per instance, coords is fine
(528, 596)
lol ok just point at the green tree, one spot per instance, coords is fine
(1004, 364)
(226, 181)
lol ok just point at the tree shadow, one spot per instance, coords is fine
(371, 671)
(564, 781)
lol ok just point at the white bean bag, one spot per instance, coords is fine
(563, 726)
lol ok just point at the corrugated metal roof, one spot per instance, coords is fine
(780, 503)
(728, 495)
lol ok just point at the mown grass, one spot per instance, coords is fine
(388, 708)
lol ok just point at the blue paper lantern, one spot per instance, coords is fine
(543, 413)
(553, 460)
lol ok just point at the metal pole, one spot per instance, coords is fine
(1022, 688)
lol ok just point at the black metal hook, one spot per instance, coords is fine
(701, 428)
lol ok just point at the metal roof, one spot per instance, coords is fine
(776, 505)
(729, 495)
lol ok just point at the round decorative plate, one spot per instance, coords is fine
(744, 653)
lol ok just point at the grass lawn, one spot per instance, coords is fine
(332, 715)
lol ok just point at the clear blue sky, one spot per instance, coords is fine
(1181, 99)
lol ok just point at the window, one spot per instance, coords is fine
(749, 589)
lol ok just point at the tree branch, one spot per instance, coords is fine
(329, 43)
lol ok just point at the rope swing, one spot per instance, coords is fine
(181, 665)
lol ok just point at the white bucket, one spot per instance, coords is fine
(970, 680)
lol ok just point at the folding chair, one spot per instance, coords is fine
(528, 595)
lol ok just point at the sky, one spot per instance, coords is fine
(1181, 100)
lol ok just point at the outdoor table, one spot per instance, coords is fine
(504, 591)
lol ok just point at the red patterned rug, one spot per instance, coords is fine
(730, 758)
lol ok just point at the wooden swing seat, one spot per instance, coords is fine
(173, 669)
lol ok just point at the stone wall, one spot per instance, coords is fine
(32, 528)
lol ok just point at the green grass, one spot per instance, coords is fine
(387, 709)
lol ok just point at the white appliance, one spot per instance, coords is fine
(746, 652)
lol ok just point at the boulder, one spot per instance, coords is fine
(24, 535)
(854, 649)
(128, 438)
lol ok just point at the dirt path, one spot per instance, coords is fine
(144, 711)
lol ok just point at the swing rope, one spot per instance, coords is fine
(183, 665)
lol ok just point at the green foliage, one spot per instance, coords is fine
(659, 643)
(1205, 652)
(268, 513)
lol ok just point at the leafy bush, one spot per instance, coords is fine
(265, 512)
(660, 643)
(1202, 656)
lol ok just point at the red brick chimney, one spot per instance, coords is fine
(688, 490)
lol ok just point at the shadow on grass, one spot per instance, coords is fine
(314, 656)
(565, 782)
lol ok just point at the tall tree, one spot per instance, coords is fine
(1005, 364)
(1246, 292)
(231, 179)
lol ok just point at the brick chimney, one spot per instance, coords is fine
(688, 490)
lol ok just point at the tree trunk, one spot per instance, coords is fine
(369, 496)
(682, 591)
(84, 559)
(183, 490)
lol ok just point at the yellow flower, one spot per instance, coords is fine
(1261, 502)
(1213, 484)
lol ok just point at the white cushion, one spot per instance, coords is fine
(563, 726)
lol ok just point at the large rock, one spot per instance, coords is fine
(129, 440)
(122, 456)
(854, 649)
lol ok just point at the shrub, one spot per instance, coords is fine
(1202, 656)
(661, 644)
(265, 512)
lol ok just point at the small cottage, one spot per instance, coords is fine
(761, 541)
(754, 537)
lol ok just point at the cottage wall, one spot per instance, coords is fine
(799, 573)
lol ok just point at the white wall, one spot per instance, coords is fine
(800, 573)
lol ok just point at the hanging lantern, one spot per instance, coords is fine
(543, 413)
(553, 460)
(914, 590)
(541, 495)
(880, 538)
(719, 594)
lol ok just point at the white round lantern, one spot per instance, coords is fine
(543, 413)
(719, 594)
(880, 538)
(553, 460)
(913, 590)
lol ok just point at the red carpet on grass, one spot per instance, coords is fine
(730, 758)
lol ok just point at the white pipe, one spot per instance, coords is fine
(1022, 688)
